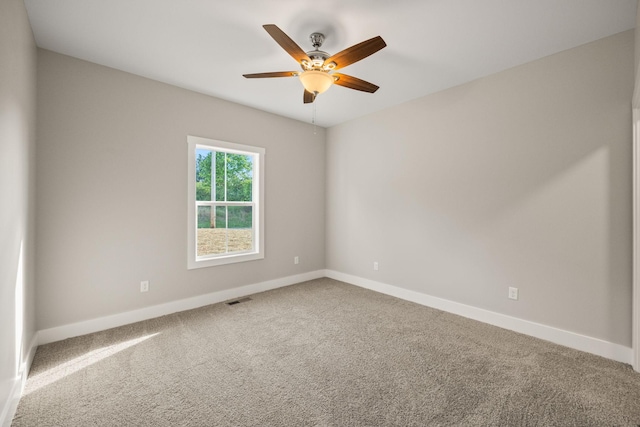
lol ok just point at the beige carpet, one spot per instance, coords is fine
(322, 353)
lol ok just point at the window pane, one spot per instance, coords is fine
(240, 216)
(239, 177)
(229, 231)
(219, 187)
(240, 233)
(221, 217)
(210, 240)
(203, 174)
(204, 217)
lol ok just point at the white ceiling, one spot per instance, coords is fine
(206, 45)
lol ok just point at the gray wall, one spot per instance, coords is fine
(522, 178)
(17, 190)
(518, 179)
(112, 181)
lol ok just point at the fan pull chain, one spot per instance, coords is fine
(313, 119)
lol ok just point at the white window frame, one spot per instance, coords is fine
(258, 153)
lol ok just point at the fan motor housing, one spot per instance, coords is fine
(317, 59)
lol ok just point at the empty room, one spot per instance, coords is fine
(297, 213)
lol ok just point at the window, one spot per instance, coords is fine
(226, 191)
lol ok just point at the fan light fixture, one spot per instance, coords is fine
(315, 81)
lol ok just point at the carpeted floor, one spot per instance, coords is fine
(322, 353)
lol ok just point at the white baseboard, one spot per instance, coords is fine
(559, 336)
(100, 324)
(8, 410)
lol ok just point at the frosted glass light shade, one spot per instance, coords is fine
(316, 81)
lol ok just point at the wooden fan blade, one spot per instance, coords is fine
(354, 83)
(286, 43)
(274, 74)
(308, 97)
(356, 53)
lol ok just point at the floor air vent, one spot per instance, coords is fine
(238, 301)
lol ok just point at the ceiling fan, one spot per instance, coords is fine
(318, 67)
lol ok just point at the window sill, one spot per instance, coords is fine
(223, 260)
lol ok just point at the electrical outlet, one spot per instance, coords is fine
(144, 286)
(375, 266)
(513, 293)
(296, 260)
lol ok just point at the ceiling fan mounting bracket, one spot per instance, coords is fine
(316, 40)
